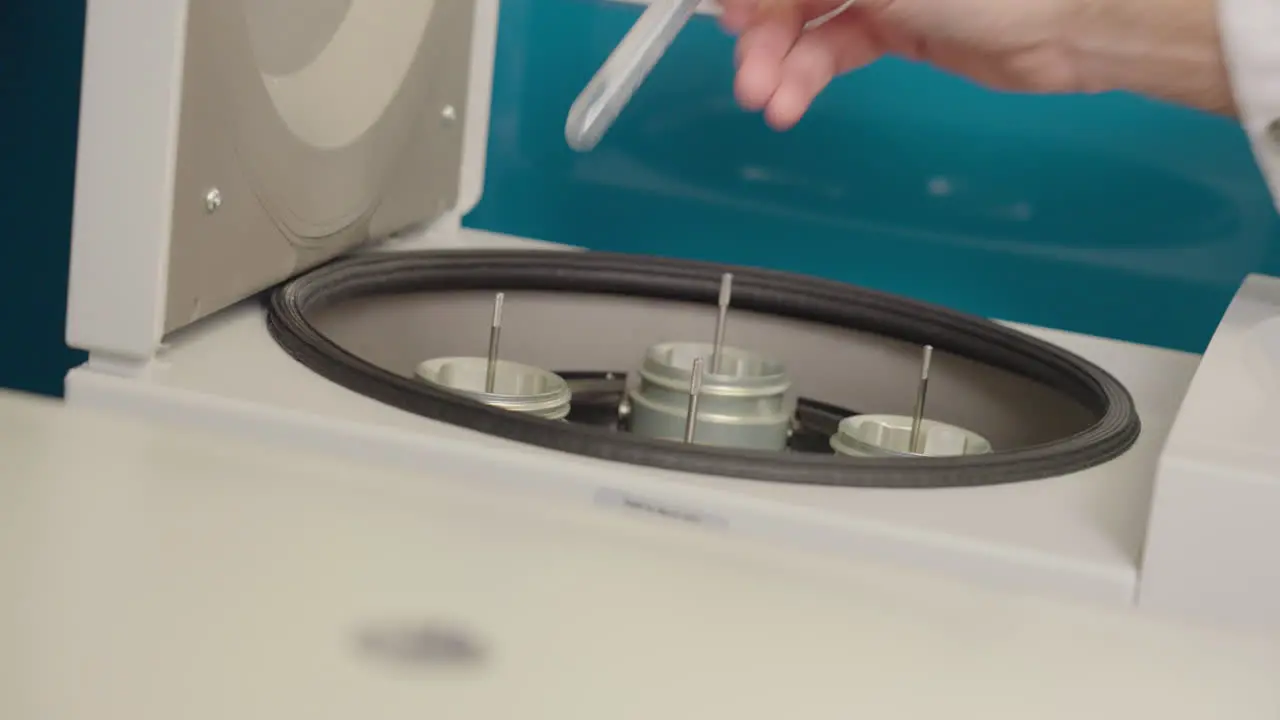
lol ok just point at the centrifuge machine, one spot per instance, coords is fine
(267, 241)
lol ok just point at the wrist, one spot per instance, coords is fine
(1164, 49)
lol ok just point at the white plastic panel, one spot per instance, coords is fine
(206, 176)
(125, 175)
(1213, 545)
(155, 574)
(1077, 536)
(484, 47)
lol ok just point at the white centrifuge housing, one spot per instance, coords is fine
(229, 146)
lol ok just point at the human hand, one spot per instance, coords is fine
(1164, 48)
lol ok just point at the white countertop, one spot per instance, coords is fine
(152, 574)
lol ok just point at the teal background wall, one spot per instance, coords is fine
(40, 45)
(1108, 215)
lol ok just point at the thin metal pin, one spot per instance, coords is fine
(695, 389)
(495, 334)
(722, 317)
(917, 416)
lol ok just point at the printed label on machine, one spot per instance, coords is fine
(608, 497)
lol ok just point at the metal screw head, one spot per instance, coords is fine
(449, 114)
(212, 200)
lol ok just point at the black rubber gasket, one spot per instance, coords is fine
(805, 298)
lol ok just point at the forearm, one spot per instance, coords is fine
(1165, 49)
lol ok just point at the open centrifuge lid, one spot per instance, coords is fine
(227, 145)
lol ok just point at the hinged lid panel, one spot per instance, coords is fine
(227, 145)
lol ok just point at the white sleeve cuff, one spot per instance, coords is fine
(1251, 42)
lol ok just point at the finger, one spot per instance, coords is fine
(818, 56)
(760, 53)
(736, 15)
